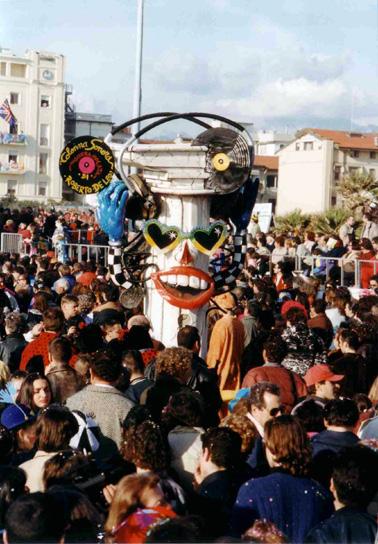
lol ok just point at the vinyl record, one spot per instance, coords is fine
(86, 164)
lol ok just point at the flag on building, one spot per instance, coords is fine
(6, 113)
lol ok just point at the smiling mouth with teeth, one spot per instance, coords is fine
(184, 286)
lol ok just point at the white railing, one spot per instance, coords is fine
(319, 266)
(87, 252)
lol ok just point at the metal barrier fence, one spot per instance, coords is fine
(326, 267)
(11, 243)
(87, 252)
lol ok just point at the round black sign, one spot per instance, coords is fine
(87, 165)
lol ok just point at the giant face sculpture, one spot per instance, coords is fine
(193, 197)
(182, 284)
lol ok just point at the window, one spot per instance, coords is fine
(3, 68)
(17, 70)
(372, 173)
(333, 201)
(42, 189)
(44, 135)
(297, 146)
(13, 129)
(373, 155)
(43, 163)
(337, 172)
(355, 154)
(11, 187)
(45, 101)
(271, 181)
(14, 98)
(12, 158)
(308, 146)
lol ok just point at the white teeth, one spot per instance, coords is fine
(172, 280)
(183, 280)
(194, 282)
(203, 284)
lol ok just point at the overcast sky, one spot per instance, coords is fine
(275, 63)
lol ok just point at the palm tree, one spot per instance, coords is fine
(291, 222)
(357, 190)
(329, 222)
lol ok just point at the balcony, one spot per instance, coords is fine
(13, 139)
(12, 168)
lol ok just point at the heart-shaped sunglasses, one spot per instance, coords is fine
(164, 238)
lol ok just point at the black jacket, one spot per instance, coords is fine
(345, 526)
(325, 447)
(11, 349)
(205, 381)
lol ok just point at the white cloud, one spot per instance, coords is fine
(288, 98)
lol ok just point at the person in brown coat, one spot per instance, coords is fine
(320, 322)
(291, 385)
(226, 346)
(64, 380)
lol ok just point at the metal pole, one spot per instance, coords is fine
(138, 65)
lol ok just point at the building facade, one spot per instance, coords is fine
(270, 142)
(33, 84)
(265, 168)
(315, 161)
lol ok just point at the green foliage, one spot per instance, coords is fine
(329, 222)
(290, 222)
(357, 190)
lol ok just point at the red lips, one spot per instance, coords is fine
(180, 296)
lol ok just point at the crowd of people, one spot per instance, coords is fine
(342, 255)
(265, 429)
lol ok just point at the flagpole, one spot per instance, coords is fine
(138, 65)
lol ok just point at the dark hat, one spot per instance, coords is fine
(16, 415)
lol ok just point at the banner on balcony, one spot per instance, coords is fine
(86, 164)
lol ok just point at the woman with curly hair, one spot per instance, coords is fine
(242, 425)
(287, 497)
(145, 447)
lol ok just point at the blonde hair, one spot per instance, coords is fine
(373, 393)
(5, 374)
(130, 494)
(244, 427)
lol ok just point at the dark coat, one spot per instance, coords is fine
(333, 441)
(346, 526)
(11, 349)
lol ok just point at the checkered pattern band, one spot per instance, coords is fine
(225, 280)
(119, 276)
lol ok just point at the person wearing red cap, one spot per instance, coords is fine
(322, 384)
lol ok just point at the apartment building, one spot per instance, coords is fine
(265, 168)
(315, 161)
(33, 84)
(270, 142)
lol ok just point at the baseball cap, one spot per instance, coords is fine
(16, 415)
(321, 373)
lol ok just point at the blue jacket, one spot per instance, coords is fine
(294, 504)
